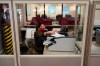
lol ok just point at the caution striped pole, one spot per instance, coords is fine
(8, 39)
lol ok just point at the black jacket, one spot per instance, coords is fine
(1, 31)
(39, 39)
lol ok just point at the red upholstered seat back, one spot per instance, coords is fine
(63, 21)
(40, 20)
(68, 21)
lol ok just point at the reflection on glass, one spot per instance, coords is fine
(80, 26)
(51, 10)
(57, 18)
(66, 10)
(6, 46)
(95, 46)
(34, 10)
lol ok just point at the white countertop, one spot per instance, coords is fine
(95, 50)
(47, 52)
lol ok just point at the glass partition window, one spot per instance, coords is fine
(80, 22)
(6, 44)
(63, 33)
(51, 12)
(95, 46)
(34, 10)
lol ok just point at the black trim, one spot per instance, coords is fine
(62, 10)
(78, 48)
(33, 26)
(44, 11)
(26, 12)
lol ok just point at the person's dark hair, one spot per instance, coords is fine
(6, 5)
(38, 26)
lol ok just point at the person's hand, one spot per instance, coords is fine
(55, 31)
(51, 32)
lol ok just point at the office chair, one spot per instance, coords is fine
(30, 45)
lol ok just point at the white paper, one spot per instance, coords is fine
(57, 35)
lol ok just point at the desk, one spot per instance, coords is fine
(47, 52)
(95, 50)
(63, 46)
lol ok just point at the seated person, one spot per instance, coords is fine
(39, 36)
(64, 30)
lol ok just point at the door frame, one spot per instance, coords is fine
(14, 56)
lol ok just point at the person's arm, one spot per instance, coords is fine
(50, 32)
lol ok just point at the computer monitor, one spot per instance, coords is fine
(49, 28)
(98, 36)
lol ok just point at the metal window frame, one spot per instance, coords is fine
(13, 33)
(45, 1)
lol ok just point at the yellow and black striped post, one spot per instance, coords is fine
(8, 39)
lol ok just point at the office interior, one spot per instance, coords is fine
(54, 17)
(17, 32)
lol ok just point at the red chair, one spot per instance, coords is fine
(39, 20)
(68, 21)
(33, 21)
(47, 21)
(63, 21)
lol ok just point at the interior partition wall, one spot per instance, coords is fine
(94, 45)
(51, 58)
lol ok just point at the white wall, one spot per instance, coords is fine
(50, 61)
(94, 61)
(97, 15)
(33, 11)
(97, 12)
(72, 10)
(58, 10)
(82, 15)
(29, 60)
(7, 60)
